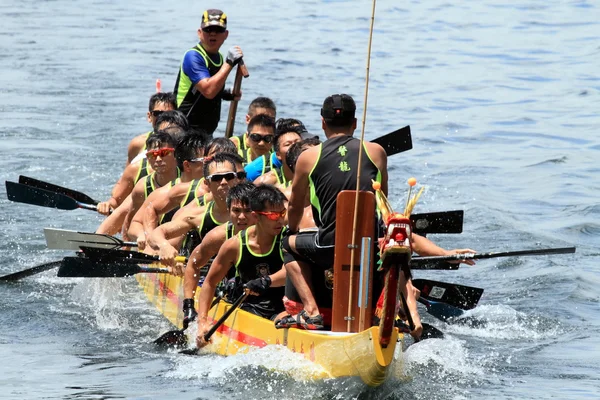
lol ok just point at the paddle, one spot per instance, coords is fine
(441, 262)
(80, 267)
(441, 311)
(438, 222)
(216, 326)
(123, 256)
(177, 337)
(31, 271)
(460, 296)
(41, 197)
(242, 71)
(72, 240)
(395, 142)
(78, 196)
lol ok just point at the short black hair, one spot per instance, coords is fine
(235, 159)
(173, 117)
(162, 97)
(265, 196)
(279, 133)
(338, 111)
(242, 192)
(189, 146)
(261, 102)
(291, 157)
(160, 138)
(220, 158)
(287, 123)
(220, 145)
(261, 120)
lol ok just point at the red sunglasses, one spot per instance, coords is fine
(163, 152)
(273, 215)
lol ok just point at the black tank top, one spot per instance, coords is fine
(251, 266)
(334, 171)
(189, 196)
(202, 113)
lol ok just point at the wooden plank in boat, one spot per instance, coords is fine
(341, 269)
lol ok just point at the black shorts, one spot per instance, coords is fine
(319, 258)
(308, 251)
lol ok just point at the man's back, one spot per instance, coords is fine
(334, 171)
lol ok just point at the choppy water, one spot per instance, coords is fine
(502, 98)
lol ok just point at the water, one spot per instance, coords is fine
(503, 101)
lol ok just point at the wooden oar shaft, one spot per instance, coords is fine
(242, 72)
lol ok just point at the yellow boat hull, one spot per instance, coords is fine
(337, 354)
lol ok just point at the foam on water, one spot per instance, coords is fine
(504, 323)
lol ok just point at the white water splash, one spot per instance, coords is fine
(504, 322)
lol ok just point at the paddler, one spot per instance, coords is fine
(240, 218)
(256, 255)
(260, 105)
(220, 175)
(159, 103)
(200, 83)
(262, 164)
(261, 132)
(189, 154)
(282, 176)
(161, 156)
(331, 167)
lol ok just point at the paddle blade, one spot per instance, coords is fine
(175, 338)
(441, 311)
(39, 197)
(464, 297)
(78, 196)
(72, 240)
(78, 267)
(15, 276)
(431, 332)
(395, 142)
(438, 222)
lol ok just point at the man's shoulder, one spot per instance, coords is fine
(193, 56)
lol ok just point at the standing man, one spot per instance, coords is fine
(200, 83)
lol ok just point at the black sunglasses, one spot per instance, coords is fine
(156, 113)
(215, 29)
(226, 175)
(257, 137)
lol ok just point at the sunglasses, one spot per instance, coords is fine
(273, 215)
(213, 29)
(163, 152)
(257, 137)
(199, 159)
(225, 175)
(156, 113)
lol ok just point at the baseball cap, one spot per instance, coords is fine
(338, 109)
(214, 17)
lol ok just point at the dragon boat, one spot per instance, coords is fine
(353, 346)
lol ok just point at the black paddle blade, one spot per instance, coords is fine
(78, 267)
(122, 256)
(395, 142)
(175, 338)
(463, 297)
(431, 332)
(438, 222)
(39, 197)
(78, 196)
(15, 276)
